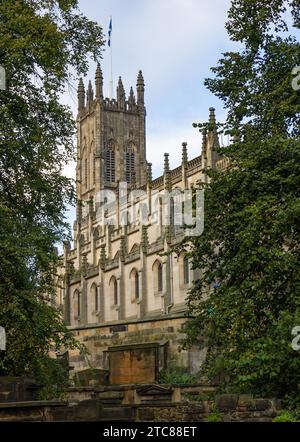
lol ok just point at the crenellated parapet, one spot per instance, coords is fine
(89, 98)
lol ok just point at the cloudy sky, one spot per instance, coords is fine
(174, 42)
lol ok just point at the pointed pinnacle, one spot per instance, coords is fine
(98, 72)
(184, 153)
(140, 79)
(149, 172)
(80, 85)
(166, 162)
(212, 117)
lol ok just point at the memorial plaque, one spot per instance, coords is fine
(135, 365)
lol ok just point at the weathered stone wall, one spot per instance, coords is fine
(225, 408)
(152, 403)
(229, 408)
(166, 332)
(181, 403)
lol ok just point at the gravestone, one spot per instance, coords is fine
(134, 364)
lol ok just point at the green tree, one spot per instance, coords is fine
(251, 242)
(43, 45)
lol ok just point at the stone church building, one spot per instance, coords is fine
(121, 288)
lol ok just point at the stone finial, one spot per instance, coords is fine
(140, 86)
(121, 94)
(145, 239)
(90, 93)
(213, 138)
(99, 82)
(166, 163)
(184, 154)
(167, 173)
(149, 173)
(81, 95)
(212, 118)
(131, 99)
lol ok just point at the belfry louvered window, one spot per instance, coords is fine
(110, 162)
(129, 164)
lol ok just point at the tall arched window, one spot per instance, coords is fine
(186, 270)
(77, 299)
(160, 277)
(136, 285)
(157, 271)
(94, 297)
(114, 291)
(110, 162)
(129, 163)
(116, 300)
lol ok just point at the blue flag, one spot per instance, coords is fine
(109, 32)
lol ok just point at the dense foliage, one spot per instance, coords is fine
(42, 44)
(249, 252)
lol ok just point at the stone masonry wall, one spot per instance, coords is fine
(167, 332)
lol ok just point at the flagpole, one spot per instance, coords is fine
(111, 66)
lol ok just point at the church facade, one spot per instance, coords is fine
(121, 287)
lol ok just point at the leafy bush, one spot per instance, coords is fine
(176, 375)
(285, 416)
(214, 416)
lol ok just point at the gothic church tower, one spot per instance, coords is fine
(123, 288)
(111, 144)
